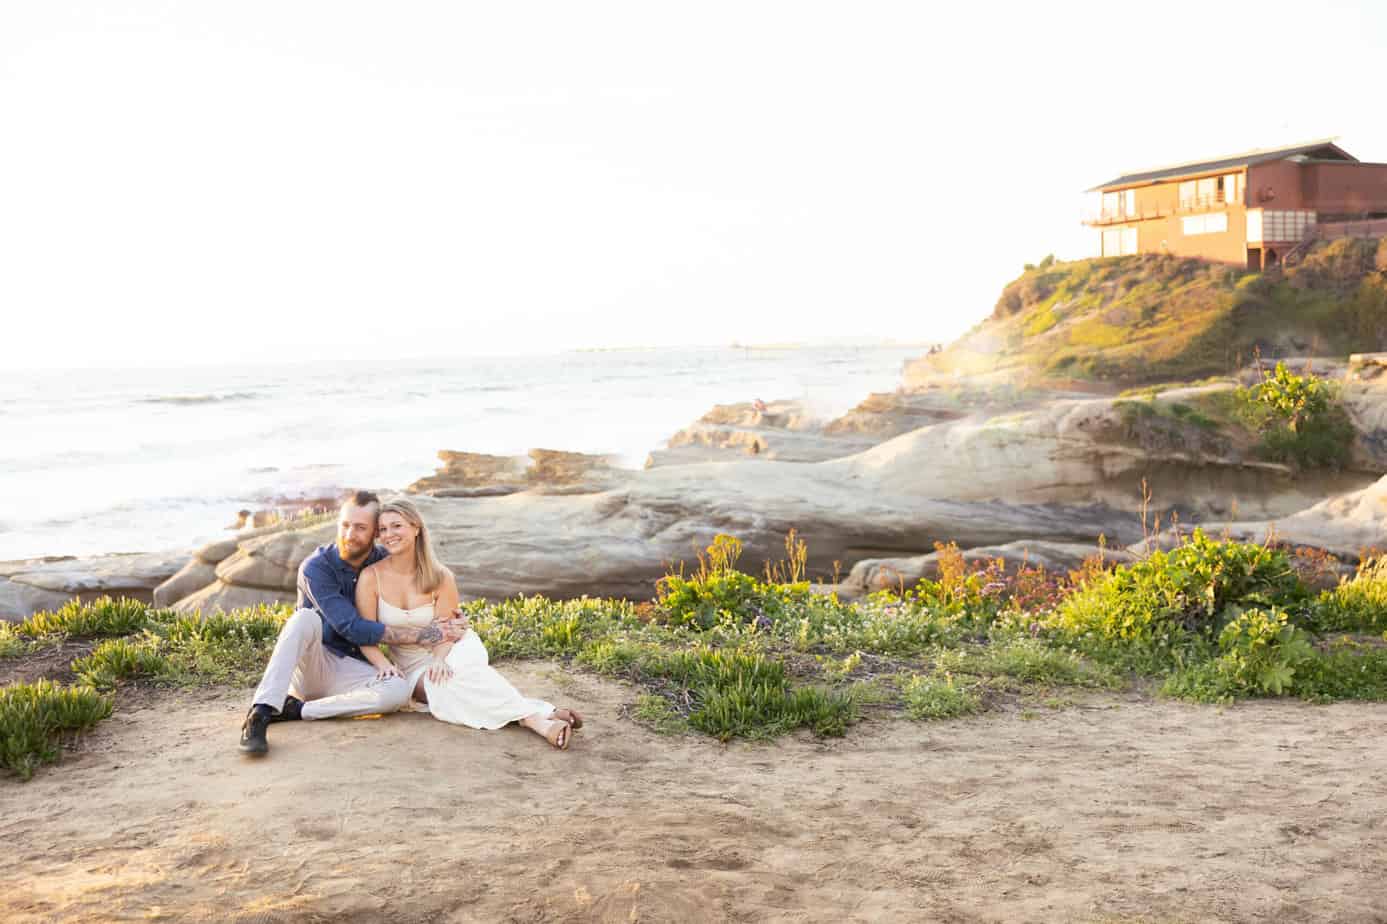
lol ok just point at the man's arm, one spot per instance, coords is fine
(365, 610)
(320, 589)
(431, 634)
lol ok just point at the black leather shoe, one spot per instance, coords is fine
(253, 731)
(292, 710)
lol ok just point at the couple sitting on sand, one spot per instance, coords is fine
(355, 595)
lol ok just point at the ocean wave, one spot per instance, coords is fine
(201, 399)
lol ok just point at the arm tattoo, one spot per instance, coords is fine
(404, 635)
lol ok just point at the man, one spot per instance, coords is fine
(318, 654)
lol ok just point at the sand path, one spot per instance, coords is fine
(1118, 810)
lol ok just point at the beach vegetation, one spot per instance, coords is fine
(1149, 318)
(656, 713)
(1172, 605)
(104, 617)
(938, 696)
(730, 655)
(36, 717)
(1358, 604)
(12, 644)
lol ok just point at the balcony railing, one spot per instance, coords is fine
(1204, 203)
(1123, 216)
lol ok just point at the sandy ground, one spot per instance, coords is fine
(1115, 810)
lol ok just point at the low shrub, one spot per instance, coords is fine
(762, 710)
(188, 649)
(1171, 606)
(11, 644)
(536, 627)
(884, 623)
(34, 717)
(720, 595)
(103, 617)
(658, 714)
(1031, 660)
(728, 693)
(121, 659)
(1348, 670)
(1261, 653)
(1357, 605)
(1299, 419)
(938, 697)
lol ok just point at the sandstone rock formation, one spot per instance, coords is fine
(1053, 476)
(47, 583)
(787, 431)
(1347, 526)
(259, 568)
(784, 431)
(474, 474)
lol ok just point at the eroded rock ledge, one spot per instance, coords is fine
(1042, 482)
(474, 474)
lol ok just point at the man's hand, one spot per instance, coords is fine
(387, 670)
(454, 629)
(440, 671)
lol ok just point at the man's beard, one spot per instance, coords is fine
(349, 550)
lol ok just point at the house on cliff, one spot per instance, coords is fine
(1250, 209)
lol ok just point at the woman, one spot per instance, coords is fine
(456, 681)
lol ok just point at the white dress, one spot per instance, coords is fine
(476, 695)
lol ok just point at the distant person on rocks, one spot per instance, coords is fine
(317, 670)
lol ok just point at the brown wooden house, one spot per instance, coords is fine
(1250, 209)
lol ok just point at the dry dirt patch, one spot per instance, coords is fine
(1116, 811)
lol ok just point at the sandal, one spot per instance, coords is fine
(573, 717)
(556, 733)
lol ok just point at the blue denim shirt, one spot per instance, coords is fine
(327, 584)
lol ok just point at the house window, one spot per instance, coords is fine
(1286, 225)
(1212, 223)
(1187, 194)
(1232, 188)
(1119, 242)
(1118, 205)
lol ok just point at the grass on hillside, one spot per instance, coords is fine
(1286, 418)
(1150, 318)
(728, 655)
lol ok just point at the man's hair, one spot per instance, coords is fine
(364, 499)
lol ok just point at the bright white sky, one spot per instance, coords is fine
(194, 182)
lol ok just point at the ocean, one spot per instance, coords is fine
(98, 461)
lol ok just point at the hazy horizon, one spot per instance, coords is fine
(203, 183)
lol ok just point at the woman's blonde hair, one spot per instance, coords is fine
(428, 573)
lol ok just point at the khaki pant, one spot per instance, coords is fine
(329, 684)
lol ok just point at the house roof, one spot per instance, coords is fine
(1324, 149)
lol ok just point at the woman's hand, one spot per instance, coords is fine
(439, 670)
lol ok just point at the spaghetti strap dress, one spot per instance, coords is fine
(476, 695)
